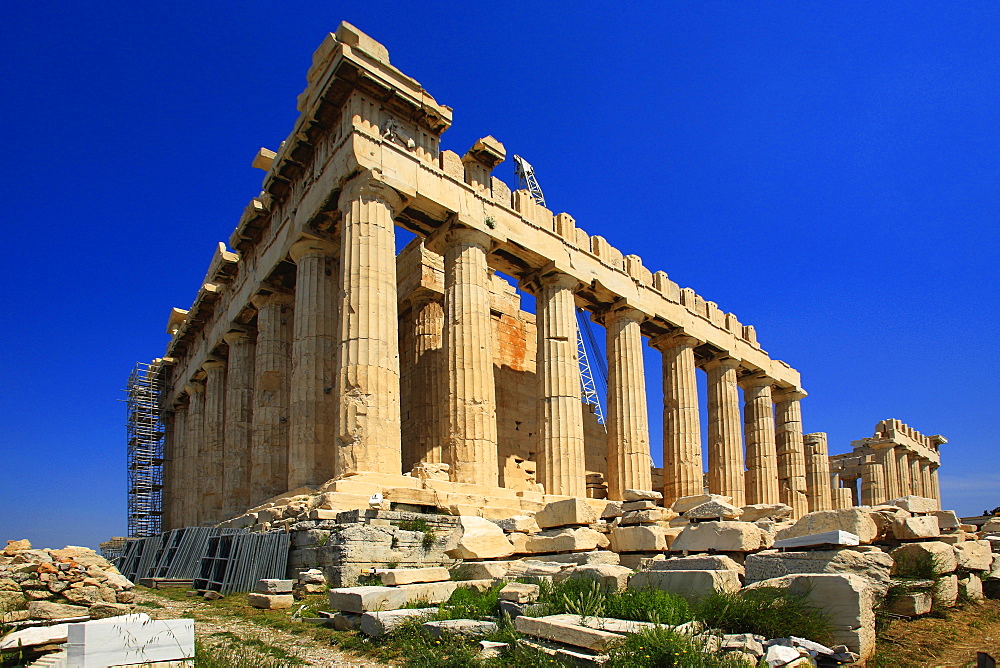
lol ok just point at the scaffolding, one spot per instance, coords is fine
(145, 449)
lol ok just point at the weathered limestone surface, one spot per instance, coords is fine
(852, 520)
(472, 426)
(791, 451)
(272, 380)
(368, 360)
(312, 404)
(212, 466)
(627, 422)
(692, 585)
(873, 565)
(239, 423)
(720, 537)
(481, 539)
(194, 473)
(758, 424)
(725, 436)
(561, 464)
(817, 472)
(682, 466)
(428, 387)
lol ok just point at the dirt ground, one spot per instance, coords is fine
(228, 620)
(951, 641)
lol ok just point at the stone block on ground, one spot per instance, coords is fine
(846, 598)
(686, 503)
(641, 495)
(923, 559)
(379, 623)
(567, 512)
(974, 555)
(915, 504)
(482, 570)
(947, 520)
(400, 576)
(481, 539)
(519, 524)
(565, 632)
(911, 604)
(580, 558)
(536, 569)
(638, 539)
(852, 520)
(699, 562)
(609, 577)
(915, 528)
(873, 566)
(945, 591)
(713, 510)
(692, 585)
(103, 610)
(629, 506)
(839, 538)
(367, 599)
(269, 586)
(517, 592)
(765, 511)
(970, 588)
(566, 540)
(428, 592)
(651, 516)
(720, 537)
(460, 627)
(270, 601)
(49, 610)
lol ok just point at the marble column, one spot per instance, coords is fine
(561, 463)
(428, 380)
(725, 435)
(368, 361)
(213, 463)
(682, 466)
(193, 471)
(272, 381)
(925, 479)
(886, 457)
(239, 423)
(312, 393)
(471, 444)
(935, 484)
(629, 465)
(843, 497)
(916, 477)
(168, 495)
(790, 451)
(903, 471)
(817, 471)
(758, 427)
(872, 482)
(180, 467)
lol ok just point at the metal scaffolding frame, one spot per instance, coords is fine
(145, 449)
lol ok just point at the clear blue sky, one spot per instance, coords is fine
(827, 171)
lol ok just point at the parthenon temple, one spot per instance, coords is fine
(313, 351)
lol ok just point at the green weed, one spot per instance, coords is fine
(769, 611)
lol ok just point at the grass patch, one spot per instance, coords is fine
(658, 648)
(466, 603)
(769, 611)
(583, 596)
(149, 604)
(241, 653)
(423, 527)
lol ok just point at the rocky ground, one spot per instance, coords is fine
(946, 641)
(220, 623)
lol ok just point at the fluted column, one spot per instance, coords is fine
(886, 458)
(916, 477)
(471, 446)
(682, 466)
(272, 380)
(758, 427)
(725, 436)
(903, 471)
(936, 484)
(239, 423)
(196, 454)
(312, 393)
(428, 380)
(817, 471)
(180, 468)
(872, 482)
(368, 362)
(791, 451)
(925, 479)
(168, 495)
(561, 461)
(628, 420)
(212, 471)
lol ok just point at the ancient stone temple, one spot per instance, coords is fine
(313, 352)
(896, 461)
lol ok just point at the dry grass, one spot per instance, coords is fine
(951, 640)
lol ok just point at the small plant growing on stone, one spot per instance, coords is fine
(491, 222)
(422, 526)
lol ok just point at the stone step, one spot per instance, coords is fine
(401, 576)
(378, 623)
(567, 633)
(386, 479)
(469, 488)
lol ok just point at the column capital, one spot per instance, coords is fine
(789, 394)
(723, 360)
(367, 186)
(421, 296)
(194, 387)
(261, 300)
(756, 379)
(236, 336)
(310, 247)
(212, 365)
(622, 311)
(674, 340)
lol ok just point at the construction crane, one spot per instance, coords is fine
(588, 388)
